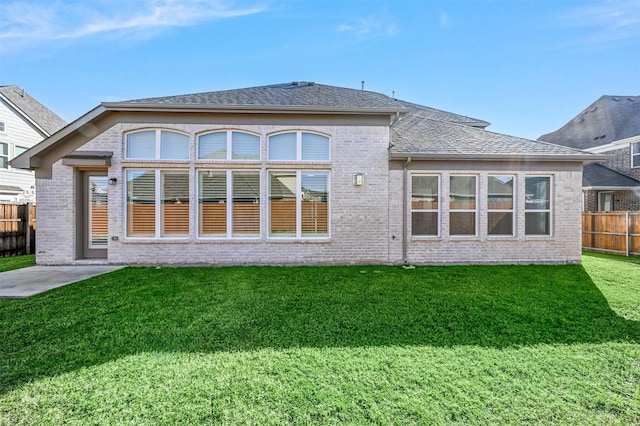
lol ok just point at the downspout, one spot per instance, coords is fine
(405, 191)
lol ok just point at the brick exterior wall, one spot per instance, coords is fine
(366, 222)
(622, 200)
(620, 161)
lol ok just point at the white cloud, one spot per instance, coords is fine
(444, 20)
(370, 28)
(604, 23)
(28, 23)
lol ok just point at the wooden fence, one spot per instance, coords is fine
(611, 232)
(17, 229)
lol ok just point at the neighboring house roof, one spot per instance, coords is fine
(416, 130)
(608, 119)
(31, 109)
(599, 176)
(417, 136)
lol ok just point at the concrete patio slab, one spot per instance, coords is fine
(26, 282)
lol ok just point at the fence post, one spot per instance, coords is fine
(27, 229)
(628, 223)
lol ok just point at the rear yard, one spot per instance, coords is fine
(299, 345)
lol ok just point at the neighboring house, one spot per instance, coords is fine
(23, 123)
(300, 173)
(610, 126)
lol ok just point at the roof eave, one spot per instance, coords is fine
(29, 159)
(290, 109)
(610, 188)
(585, 158)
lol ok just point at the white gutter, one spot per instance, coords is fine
(405, 210)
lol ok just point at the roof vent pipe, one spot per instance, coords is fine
(362, 84)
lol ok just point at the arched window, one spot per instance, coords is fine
(298, 146)
(228, 145)
(157, 145)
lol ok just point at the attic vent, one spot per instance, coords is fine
(599, 137)
(302, 83)
(615, 99)
(631, 99)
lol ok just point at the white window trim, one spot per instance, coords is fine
(298, 158)
(158, 146)
(438, 211)
(298, 236)
(229, 138)
(229, 206)
(514, 198)
(550, 210)
(634, 156)
(475, 211)
(157, 206)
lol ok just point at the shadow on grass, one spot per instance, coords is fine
(248, 308)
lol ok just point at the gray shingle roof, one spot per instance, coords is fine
(437, 114)
(417, 134)
(608, 119)
(33, 109)
(594, 175)
(300, 94)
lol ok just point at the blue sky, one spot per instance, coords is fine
(525, 66)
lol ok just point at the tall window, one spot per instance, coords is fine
(635, 154)
(229, 203)
(300, 146)
(157, 144)
(538, 205)
(424, 205)
(500, 205)
(157, 203)
(4, 155)
(462, 205)
(228, 145)
(298, 204)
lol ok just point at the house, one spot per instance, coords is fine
(23, 123)
(300, 173)
(610, 126)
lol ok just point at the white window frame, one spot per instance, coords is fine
(474, 211)
(157, 204)
(158, 145)
(602, 201)
(298, 158)
(229, 148)
(437, 211)
(6, 156)
(228, 204)
(513, 205)
(550, 210)
(299, 195)
(635, 156)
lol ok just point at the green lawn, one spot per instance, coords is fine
(17, 262)
(355, 345)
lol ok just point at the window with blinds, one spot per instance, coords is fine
(157, 145)
(175, 203)
(298, 146)
(462, 205)
(537, 216)
(298, 204)
(425, 205)
(229, 145)
(141, 203)
(229, 204)
(158, 203)
(500, 205)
